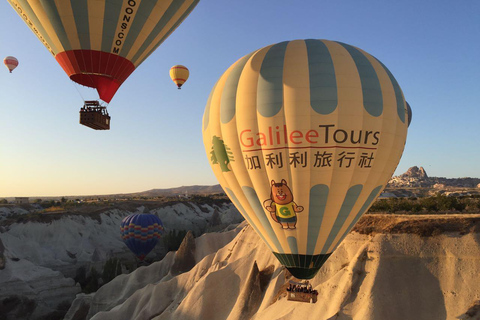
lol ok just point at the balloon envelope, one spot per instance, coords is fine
(100, 43)
(179, 74)
(303, 136)
(409, 114)
(141, 232)
(11, 63)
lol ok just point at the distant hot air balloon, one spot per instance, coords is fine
(141, 232)
(303, 136)
(11, 63)
(179, 75)
(100, 43)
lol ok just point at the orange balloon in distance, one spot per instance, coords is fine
(11, 63)
(179, 74)
(303, 136)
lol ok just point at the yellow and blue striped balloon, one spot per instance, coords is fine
(303, 136)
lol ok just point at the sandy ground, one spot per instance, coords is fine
(391, 267)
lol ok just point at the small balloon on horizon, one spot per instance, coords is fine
(11, 63)
(179, 75)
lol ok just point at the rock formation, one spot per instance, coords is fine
(42, 289)
(417, 177)
(123, 287)
(405, 275)
(39, 259)
(185, 256)
(415, 172)
(473, 313)
(250, 297)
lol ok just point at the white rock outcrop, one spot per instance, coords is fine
(124, 286)
(46, 287)
(381, 276)
(38, 260)
(67, 243)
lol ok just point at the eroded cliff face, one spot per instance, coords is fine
(28, 291)
(38, 260)
(63, 243)
(123, 287)
(370, 276)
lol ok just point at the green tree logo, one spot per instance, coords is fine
(221, 154)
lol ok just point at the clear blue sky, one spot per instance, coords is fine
(155, 141)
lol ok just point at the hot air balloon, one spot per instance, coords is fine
(179, 75)
(409, 114)
(100, 43)
(11, 63)
(303, 136)
(141, 232)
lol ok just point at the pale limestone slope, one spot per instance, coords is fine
(124, 286)
(47, 287)
(393, 277)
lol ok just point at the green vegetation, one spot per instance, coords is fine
(427, 205)
(49, 204)
(111, 269)
(211, 200)
(17, 307)
(88, 283)
(59, 313)
(53, 209)
(92, 281)
(173, 239)
(216, 220)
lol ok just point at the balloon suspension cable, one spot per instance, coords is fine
(81, 96)
(91, 79)
(100, 101)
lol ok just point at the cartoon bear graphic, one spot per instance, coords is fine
(281, 206)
